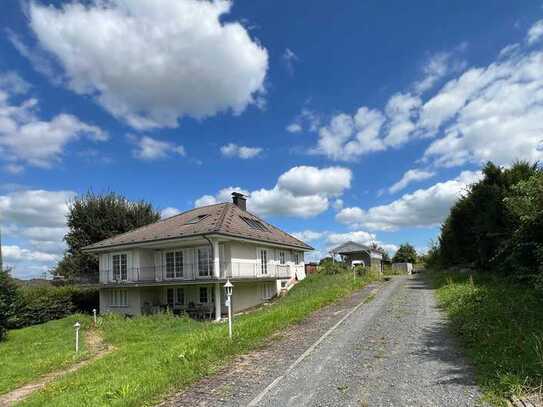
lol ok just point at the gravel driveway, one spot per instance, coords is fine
(392, 349)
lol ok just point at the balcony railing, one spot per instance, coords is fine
(195, 272)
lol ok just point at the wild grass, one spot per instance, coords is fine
(158, 354)
(29, 353)
(500, 325)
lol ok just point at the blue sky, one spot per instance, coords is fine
(360, 122)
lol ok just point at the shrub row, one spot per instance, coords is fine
(35, 305)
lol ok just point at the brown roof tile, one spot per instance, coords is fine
(224, 218)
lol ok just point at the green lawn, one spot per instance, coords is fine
(500, 325)
(28, 353)
(158, 354)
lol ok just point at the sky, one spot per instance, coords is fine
(361, 120)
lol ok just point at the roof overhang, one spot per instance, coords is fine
(191, 239)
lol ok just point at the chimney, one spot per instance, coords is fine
(239, 200)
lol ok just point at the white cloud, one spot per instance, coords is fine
(293, 195)
(535, 32)
(36, 220)
(27, 139)
(169, 212)
(308, 235)
(493, 112)
(306, 120)
(437, 67)
(15, 254)
(243, 152)
(164, 59)
(423, 208)
(409, 177)
(401, 111)
(149, 149)
(346, 138)
(304, 180)
(290, 58)
(294, 128)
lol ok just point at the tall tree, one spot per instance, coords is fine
(93, 218)
(405, 254)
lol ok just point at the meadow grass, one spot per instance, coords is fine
(156, 355)
(30, 352)
(500, 325)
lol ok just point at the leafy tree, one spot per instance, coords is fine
(480, 224)
(405, 254)
(8, 300)
(93, 218)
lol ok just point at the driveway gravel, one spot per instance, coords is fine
(391, 349)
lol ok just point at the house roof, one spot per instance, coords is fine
(223, 219)
(351, 247)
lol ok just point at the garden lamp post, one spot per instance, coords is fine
(228, 288)
(77, 326)
(94, 315)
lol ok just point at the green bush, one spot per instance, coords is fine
(36, 305)
(362, 270)
(8, 299)
(333, 268)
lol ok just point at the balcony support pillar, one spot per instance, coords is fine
(216, 260)
(218, 302)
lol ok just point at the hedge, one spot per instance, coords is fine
(36, 305)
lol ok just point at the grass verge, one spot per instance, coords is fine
(29, 353)
(156, 355)
(500, 325)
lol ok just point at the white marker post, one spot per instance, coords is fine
(228, 287)
(77, 326)
(94, 314)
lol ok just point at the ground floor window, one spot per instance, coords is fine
(180, 296)
(284, 283)
(118, 298)
(175, 296)
(204, 298)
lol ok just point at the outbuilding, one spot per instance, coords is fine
(355, 252)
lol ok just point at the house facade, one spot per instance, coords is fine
(182, 263)
(352, 251)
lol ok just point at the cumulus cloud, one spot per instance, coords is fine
(36, 219)
(423, 208)
(308, 235)
(243, 152)
(169, 212)
(493, 112)
(300, 192)
(304, 180)
(164, 59)
(347, 137)
(414, 175)
(535, 32)
(25, 138)
(150, 149)
(306, 120)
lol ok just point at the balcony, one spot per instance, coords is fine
(235, 270)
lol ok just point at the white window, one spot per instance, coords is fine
(180, 296)
(263, 261)
(282, 258)
(204, 261)
(296, 257)
(204, 298)
(170, 296)
(175, 296)
(120, 269)
(174, 264)
(118, 298)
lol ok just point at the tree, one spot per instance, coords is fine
(93, 218)
(405, 254)
(8, 300)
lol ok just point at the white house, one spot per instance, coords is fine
(182, 262)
